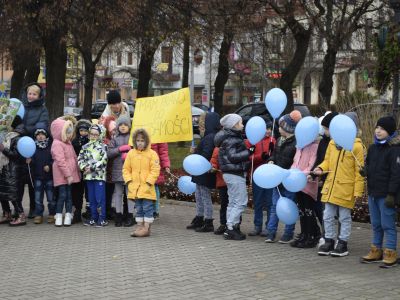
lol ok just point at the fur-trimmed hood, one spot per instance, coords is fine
(146, 136)
(395, 141)
(59, 129)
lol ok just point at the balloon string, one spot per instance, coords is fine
(251, 174)
(279, 192)
(358, 163)
(273, 128)
(30, 175)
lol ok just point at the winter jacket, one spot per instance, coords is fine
(40, 159)
(383, 168)
(114, 156)
(220, 182)
(206, 148)
(344, 182)
(284, 152)
(141, 170)
(108, 112)
(162, 150)
(233, 155)
(322, 146)
(11, 174)
(35, 112)
(65, 163)
(79, 140)
(304, 160)
(266, 146)
(94, 156)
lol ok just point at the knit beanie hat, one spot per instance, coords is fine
(83, 125)
(124, 120)
(387, 123)
(289, 121)
(113, 97)
(42, 131)
(230, 120)
(326, 121)
(352, 115)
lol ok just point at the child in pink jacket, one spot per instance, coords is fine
(304, 160)
(65, 168)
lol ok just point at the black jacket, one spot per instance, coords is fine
(321, 151)
(40, 159)
(383, 168)
(35, 112)
(206, 148)
(233, 157)
(284, 152)
(10, 174)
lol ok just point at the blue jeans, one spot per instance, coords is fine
(332, 210)
(144, 210)
(237, 193)
(262, 198)
(383, 220)
(157, 202)
(97, 199)
(64, 196)
(272, 226)
(42, 186)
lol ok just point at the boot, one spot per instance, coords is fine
(31, 214)
(129, 221)
(77, 217)
(299, 241)
(138, 230)
(38, 220)
(146, 230)
(256, 231)
(197, 222)
(50, 219)
(220, 230)
(207, 226)
(234, 234)
(326, 248)
(118, 220)
(375, 254)
(19, 221)
(58, 221)
(6, 218)
(389, 258)
(67, 219)
(340, 249)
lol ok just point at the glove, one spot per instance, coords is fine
(363, 172)
(124, 148)
(252, 149)
(124, 155)
(390, 201)
(265, 156)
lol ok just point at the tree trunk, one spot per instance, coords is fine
(223, 71)
(186, 62)
(146, 61)
(325, 87)
(17, 79)
(56, 64)
(90, 70)
(33, 68)
(289, 74)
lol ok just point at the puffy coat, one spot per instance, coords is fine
(304, 160)
(108, 112)
(162, 150)
(284, 152)
(94, 156)
(35, 112)
(79, 140)
(266, 145)
(114, 156)
(383, 168)
(233, 155)
(206, 148)
(344, 181)
(11, 174)
(141, 170)
(40, 159)
(65, 162)
(322, 146)
(220, 182)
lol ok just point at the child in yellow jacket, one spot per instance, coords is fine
(140, 171)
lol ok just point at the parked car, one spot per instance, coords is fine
(201, 106)
(97, 109)
(73, 111)
(196, 112)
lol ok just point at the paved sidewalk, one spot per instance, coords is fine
(45, 262)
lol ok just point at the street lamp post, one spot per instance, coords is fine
(395, 5)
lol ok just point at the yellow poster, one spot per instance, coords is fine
(166, 118)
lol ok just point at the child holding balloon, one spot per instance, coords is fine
(344, 185)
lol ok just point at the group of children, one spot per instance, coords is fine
(336, 179)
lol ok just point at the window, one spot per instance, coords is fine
(166, 57)
(130, 59)
(119, 58)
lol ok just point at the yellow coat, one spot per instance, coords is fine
(141, 170)
(344, 181)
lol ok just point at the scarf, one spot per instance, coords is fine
(388, 139)
(42, 144)
(7, 143)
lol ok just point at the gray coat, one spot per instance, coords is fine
(114, 155)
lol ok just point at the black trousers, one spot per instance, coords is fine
(78, 190)
(308, 220)
(224, 200)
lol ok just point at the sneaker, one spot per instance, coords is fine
(38, 220)
(256, 231)
(286, 239)
(389, 258)
(270, 238)
(89, 223)
(327, 247)
(375, 254)
(101, 224)
(340, 249)
(234, 234)
(220, 230)
(19, 221)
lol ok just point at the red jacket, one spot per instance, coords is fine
(262, 146)
(162, 150)
(214, 162)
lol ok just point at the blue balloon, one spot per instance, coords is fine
(269, 176)
(26, 146)
(287, 211)
(256, 129)
(186, 186)
(196, 164)
(276, 102)
(21, 109)
(296, 181)
(306, 131)
(343, 131)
